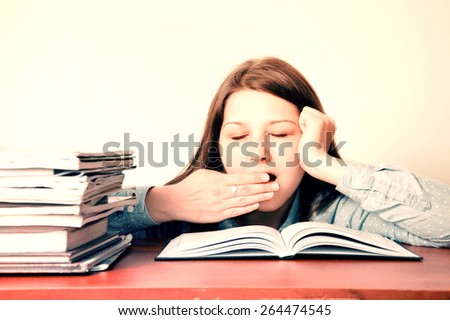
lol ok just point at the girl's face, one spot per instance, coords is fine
(260, 133)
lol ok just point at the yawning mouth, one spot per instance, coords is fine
(272, 177)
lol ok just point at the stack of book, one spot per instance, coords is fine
(54, 209)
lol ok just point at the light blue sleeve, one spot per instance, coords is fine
(393, 202)
(133, 217)
(137, 220)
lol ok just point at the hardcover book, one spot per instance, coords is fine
(303, 239)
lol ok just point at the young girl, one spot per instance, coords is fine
(267, 156)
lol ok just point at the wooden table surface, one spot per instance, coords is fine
(137, 276)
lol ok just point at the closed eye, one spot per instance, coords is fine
(279, 135)
(242, 136)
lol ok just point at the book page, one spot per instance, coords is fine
(213, 242)
(307, 234)
(317, 244)
(257, 246)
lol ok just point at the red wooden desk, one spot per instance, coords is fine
(137, 276)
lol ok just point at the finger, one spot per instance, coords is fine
(253, 189)
(246, 178)
(306, 117)
(312, 118)
(232, 207)
(223, 214)
(245, 201)
(238, 211)
(313, 111)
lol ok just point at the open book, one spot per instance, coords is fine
(302, 239)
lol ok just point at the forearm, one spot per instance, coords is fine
(161, 204)
(324, 167)
(391, 199)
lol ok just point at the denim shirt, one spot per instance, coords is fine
(385, 200)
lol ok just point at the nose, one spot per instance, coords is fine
(262, 151)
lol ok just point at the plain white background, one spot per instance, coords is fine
(79, 74)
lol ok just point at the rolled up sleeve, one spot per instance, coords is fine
(393, 202)
(378, 188)
(133, 217)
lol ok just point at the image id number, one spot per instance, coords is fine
(295, 309)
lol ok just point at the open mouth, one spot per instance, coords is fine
(272, 177)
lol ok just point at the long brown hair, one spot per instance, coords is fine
(277, 77)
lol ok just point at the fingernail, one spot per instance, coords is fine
(265, 177)
(269, 195)
(275, 186)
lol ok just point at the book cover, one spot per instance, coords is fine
(98, 261)
(72, 255)
(64, 160)
(49, 239)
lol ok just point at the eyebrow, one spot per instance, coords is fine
(270, 123)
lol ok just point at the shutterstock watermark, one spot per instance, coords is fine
(170, 153)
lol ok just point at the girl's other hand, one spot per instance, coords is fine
(208, 196)
(318, 131)
(317, 134)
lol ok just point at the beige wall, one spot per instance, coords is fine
(77, 74)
